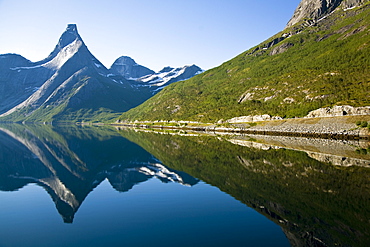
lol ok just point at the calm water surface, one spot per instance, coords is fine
(93, 186)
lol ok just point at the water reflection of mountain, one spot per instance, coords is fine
(69, 162)
(315, 203)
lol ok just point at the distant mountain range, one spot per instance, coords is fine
(321, 59)
(72, 85)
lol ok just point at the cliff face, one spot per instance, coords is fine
(316, 9)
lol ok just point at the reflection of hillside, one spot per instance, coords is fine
(316, 203)
(336, 152)
(69, 162)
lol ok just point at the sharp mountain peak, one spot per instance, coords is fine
(69, 36)
(72, 83)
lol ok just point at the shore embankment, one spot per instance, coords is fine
(341, 127)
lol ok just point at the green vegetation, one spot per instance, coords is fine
(363, 124)
(317, 66)
(62, 113)
(363, 151)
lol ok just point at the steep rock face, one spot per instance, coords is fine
(66, 39)
(128, 68)
(339, 111)
(72, 85)
(353, 3)
(69, 83)
(36, 81)
(19, 79)
(316, 9)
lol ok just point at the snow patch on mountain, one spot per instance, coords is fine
(169, 75)
(58, 61)
(64, 55)
(127, 67)
(97, 65)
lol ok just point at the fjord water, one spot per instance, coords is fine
(96, 186)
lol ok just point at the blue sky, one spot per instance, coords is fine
(156, 33)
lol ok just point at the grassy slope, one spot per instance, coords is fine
(327, 65)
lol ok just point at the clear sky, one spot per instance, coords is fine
(155, 33)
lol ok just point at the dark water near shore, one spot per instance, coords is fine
(96, 186)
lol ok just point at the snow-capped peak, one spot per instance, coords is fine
(168, 75)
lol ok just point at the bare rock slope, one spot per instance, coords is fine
(316, 9)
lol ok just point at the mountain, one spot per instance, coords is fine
(128, 68)
(170, 75)
(317, 61)
(17, 84)
(63, 87)
(316, 9)
(70, 85)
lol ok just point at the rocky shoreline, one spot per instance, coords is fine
(337, 122)
(323, 127)
(340, 127)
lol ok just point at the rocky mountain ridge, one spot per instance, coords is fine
(316, 9)
(127, 67)
(63, 85)
(169, 75)
(71, 85)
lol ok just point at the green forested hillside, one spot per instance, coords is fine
(300, 69)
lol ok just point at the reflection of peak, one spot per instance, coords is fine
(123, 179)
(69, 166)
(61, 191)
(163, 173)
(65, 201)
